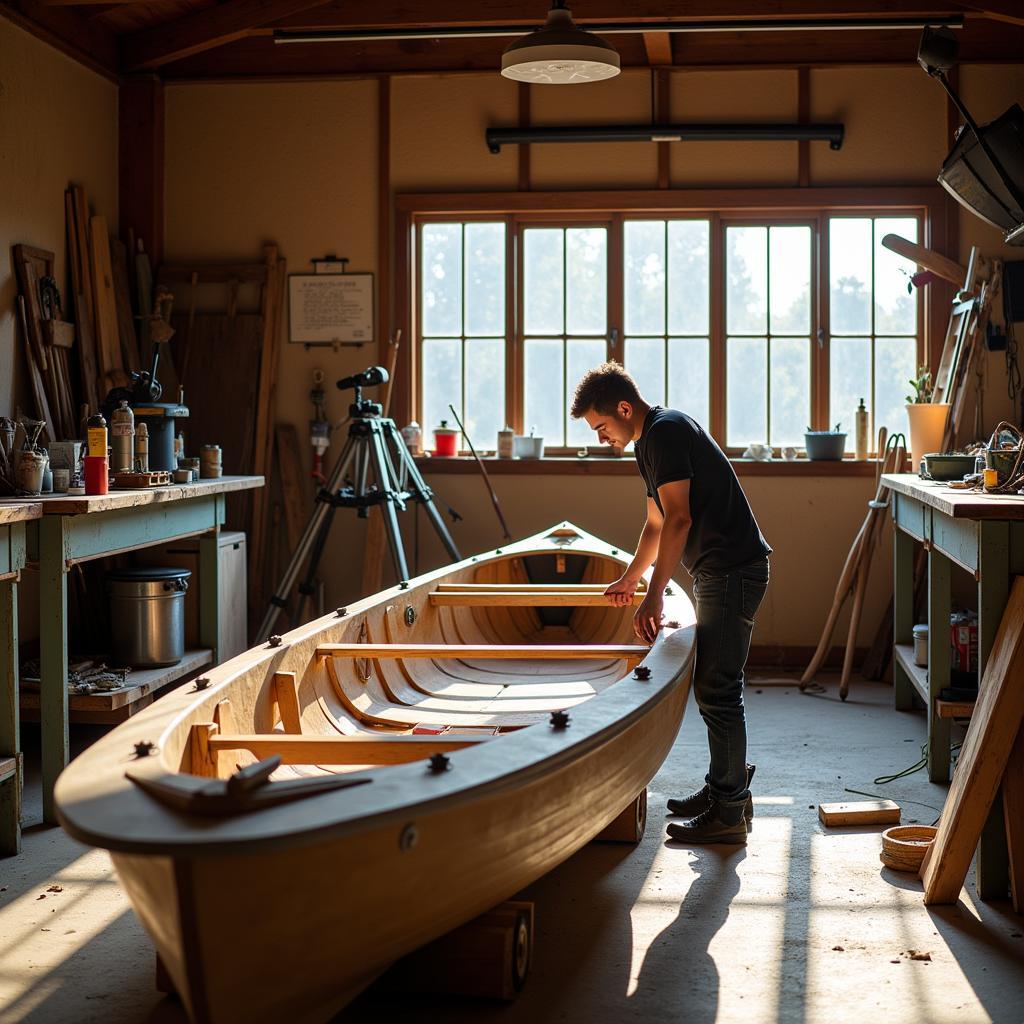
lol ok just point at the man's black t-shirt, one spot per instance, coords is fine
(723, 533)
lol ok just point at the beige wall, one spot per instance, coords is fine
(297, 163)
(58, 124)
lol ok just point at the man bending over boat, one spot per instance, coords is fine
(697, 513)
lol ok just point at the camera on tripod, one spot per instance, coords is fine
(368, 378)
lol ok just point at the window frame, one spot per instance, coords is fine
(725, 207)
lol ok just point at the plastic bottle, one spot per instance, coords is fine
(506, 443)
(96, 433)
(860, 450)
(122, 438)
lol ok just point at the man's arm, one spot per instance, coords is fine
(675, 528)
(622, 590)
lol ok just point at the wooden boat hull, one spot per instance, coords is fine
(288, 913)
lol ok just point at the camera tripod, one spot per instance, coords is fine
(374, 446)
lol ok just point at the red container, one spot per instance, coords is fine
(446, 441)
(964, 646)
(97, 474)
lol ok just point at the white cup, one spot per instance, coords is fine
(789, 453)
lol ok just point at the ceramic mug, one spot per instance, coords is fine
(789, 453)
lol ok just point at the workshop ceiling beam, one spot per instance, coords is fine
(356, 14)
(981, 41)
(69, 31)
(1001, 10)
(204, 30)
(659, 48)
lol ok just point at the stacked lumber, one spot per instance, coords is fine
(48, 339)
(101, 282)
(992, 753)
(226, 362)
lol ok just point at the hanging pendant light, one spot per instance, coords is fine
(560, 53)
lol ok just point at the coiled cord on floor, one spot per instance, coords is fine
(883, 780)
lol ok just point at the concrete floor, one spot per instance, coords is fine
(803, 924)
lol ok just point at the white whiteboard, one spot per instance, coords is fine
(327, 308)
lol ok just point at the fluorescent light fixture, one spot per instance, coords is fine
(560, 53)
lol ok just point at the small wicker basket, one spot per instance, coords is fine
(904, 846)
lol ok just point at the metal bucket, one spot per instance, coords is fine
(147, 616)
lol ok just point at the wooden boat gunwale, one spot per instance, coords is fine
(98, 805)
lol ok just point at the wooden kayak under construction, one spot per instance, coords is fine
(312, 810)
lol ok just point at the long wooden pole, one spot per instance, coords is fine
(487, 479)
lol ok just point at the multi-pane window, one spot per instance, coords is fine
(666, 312)
(873, 349)
(768, 334)
(565, 325)
(463, 325)
(757, 326)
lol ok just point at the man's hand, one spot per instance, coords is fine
(621, 592)
(647, 620)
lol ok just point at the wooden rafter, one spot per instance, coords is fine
(1001, 10)
(204, 30)
(69, 31)
(659, 48)
(428, 13)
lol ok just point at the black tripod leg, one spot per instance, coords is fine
(385, 482)
(309, 535)
(306, 587)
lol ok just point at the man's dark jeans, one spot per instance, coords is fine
(726, 606)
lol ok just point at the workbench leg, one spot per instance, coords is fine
(992, 872)
(992, 866)
(53, 656)
(209, 592)
(993, 585)
(10, 745)
(938, 663)
(903, 614)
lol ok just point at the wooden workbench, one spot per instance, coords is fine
(13, 517)
(80, 528)
(983, 534)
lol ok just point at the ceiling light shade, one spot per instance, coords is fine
(560, 53)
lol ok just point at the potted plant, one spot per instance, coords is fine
(927, 418)
(825, 445)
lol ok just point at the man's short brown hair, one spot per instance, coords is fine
(602, 388)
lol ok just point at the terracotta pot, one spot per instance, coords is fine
(927, 427)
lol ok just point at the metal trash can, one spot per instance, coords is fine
(147, 616)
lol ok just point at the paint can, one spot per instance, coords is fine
(30, 472)
(97, 474)
(210, 462)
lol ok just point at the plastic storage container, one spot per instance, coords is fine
(921, 644)
(147, 616)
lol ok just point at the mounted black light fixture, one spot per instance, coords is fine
(985, 168)
(560, 53)
(830, 133)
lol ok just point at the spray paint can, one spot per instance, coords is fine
(122, 438)
(96, 434)
(142, 448)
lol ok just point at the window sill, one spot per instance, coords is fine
(604, 465)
